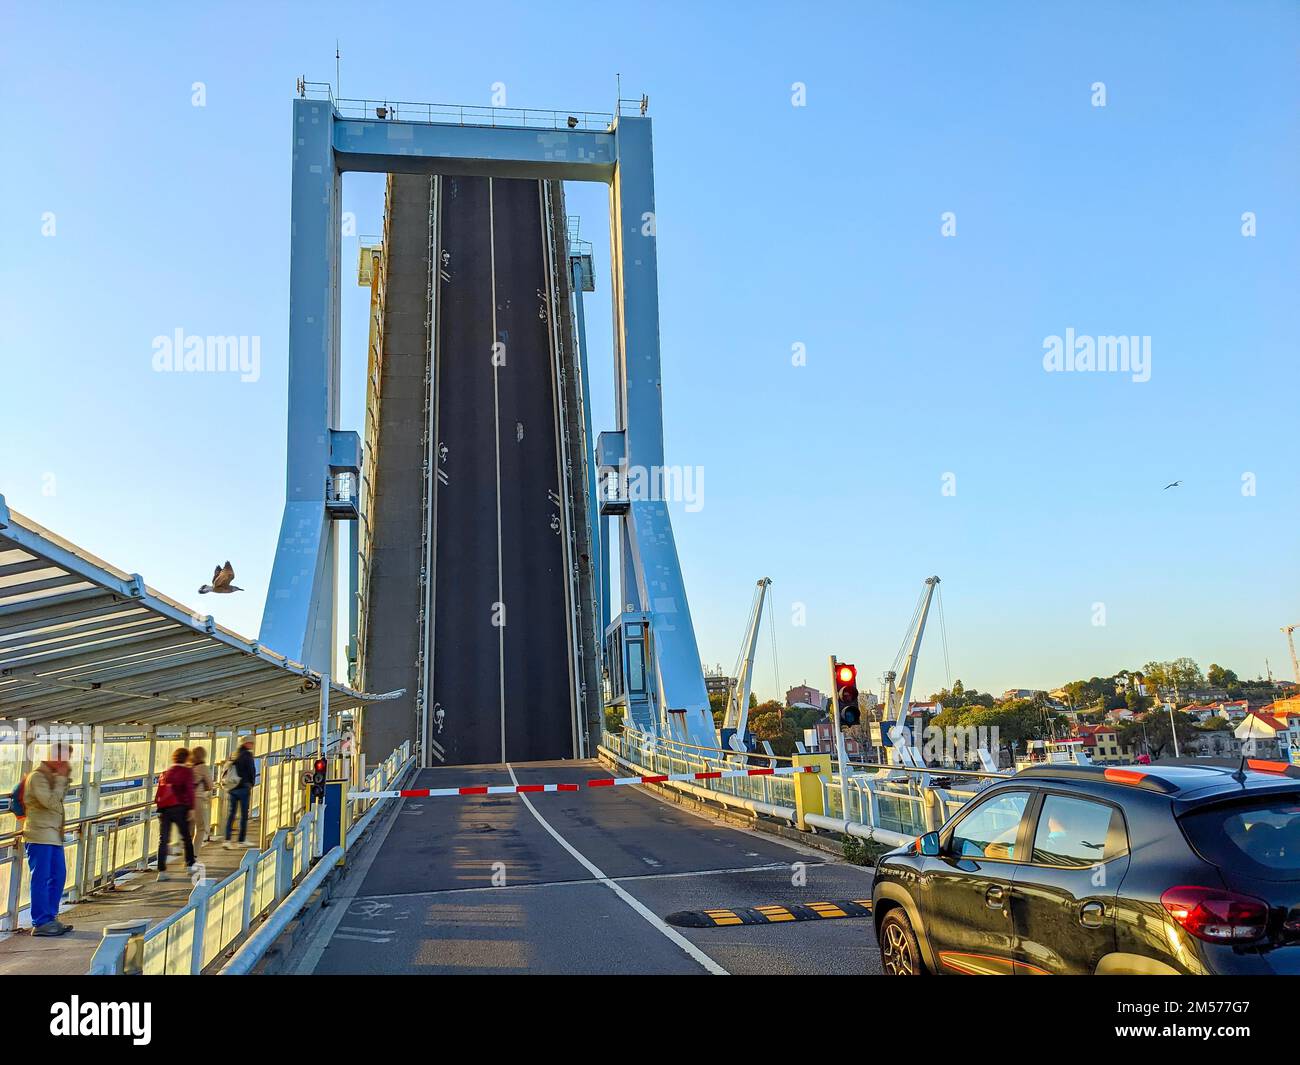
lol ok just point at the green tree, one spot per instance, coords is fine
(1153, 734)
(1187, 674)
(613, 720)
(718, 704)
(1220, 677)
(959, 695)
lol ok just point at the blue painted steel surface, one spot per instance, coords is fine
(300, 613)
(598, 520)
(438, 148)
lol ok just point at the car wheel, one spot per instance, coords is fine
(900, 954)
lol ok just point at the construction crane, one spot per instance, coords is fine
(1290, 642)
(736, 716)
(898, 685)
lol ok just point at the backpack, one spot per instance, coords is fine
(16, 806)
(230, 778)
(165, 795)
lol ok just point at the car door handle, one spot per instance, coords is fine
(993, 897)
(1092, 914)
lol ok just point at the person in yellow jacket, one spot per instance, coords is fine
(42, 828)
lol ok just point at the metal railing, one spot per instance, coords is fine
(660, 755)
(458, 114)
(883, 800)
(220, 913)
(103, 846)
(379, 778)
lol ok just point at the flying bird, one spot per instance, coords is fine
(221, 578)
(1174, 484)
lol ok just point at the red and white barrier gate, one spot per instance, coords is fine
(599, 782)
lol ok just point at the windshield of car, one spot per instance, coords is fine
(1260, 837)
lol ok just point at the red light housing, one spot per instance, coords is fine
(320, 765)
(1215, 914)
(846, 674)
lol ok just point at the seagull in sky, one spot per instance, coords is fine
(221, 578)
(1174, 484)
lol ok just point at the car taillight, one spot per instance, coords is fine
(1216, 915)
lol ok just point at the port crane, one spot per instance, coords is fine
(736, 715)
(898, 684)
(1290, 642)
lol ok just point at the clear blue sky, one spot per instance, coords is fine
(778, 225)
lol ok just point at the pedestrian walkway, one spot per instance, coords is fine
(136, 895)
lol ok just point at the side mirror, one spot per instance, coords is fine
(928, 845)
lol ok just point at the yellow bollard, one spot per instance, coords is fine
(808, 786)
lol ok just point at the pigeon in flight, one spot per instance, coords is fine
(1174, 484)
(221, 578)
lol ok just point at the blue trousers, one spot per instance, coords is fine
(238, 798)
(48, 874)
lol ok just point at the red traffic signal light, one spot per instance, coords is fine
(846, 693)
(318, 768)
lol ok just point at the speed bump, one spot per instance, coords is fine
(723, 917)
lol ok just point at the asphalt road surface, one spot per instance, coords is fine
(578, 882)
(501, 663)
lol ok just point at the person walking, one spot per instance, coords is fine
(42, 826)
(238, 781)
(175, 799)
(201, 823)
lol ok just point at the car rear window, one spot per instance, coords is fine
(1260, 838)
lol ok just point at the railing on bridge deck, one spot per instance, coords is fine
(458, 114)
(220, 913)
(120, 835)
(890, 803)
(658, 755)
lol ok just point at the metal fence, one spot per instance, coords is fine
(111, 825)
(887, 801)
(459, 114)
(220, 912)
(659, 755)
(378, 779)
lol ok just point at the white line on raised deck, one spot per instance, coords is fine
(496, 422)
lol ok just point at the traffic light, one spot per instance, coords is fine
(318, 779)
(846, 693)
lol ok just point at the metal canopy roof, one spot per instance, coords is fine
(83, 643)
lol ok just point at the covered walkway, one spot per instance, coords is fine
(91, 655)
(135, 894)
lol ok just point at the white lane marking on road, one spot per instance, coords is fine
(672, 934)
(377, 940)
(496, 422)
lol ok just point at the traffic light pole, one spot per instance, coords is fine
(840, 751)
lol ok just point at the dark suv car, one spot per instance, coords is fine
(1084, 869)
